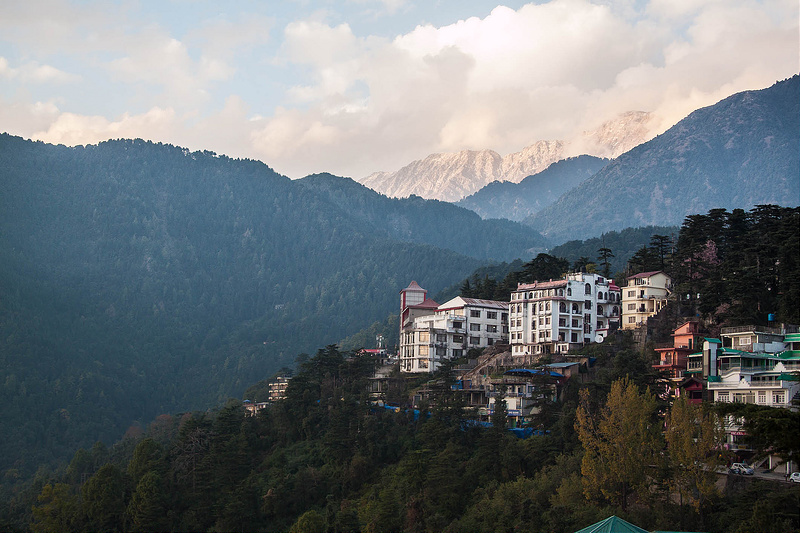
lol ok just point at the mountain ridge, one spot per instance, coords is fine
(737, 153)
(453, 176)
(517, 201)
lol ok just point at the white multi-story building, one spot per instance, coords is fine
(556, 316)
(644, 296)
(449, 330)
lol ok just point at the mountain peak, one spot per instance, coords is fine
(453, 176)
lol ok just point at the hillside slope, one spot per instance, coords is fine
(517, 201)
(140, 278)
(433, 222)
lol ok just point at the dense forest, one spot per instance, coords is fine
(138, 279)
(326, 459)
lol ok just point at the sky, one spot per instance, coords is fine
(357, 86)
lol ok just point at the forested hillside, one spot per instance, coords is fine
(623, 244)
(517, 201)
(441, 224)
(140, 278)
(326, 459)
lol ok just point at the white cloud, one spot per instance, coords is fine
(543, 71)
(33, 72)
(73, 129)
(327, 98)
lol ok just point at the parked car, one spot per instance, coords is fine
(742, 469)
(795, 477)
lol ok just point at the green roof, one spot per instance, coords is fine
(612, 524)
(792, 337)
(789, 377)
(715, 341)
(790, 354)
(714, 379)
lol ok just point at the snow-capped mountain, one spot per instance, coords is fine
(453, 176)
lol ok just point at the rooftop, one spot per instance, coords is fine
(646, 274)
(552, 284)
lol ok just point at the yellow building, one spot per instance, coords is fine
(644, 296)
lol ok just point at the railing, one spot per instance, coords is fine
(760, 329)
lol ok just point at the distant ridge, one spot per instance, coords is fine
(738, 153)
(453, 176)
(516, 201)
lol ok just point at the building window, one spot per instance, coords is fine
(573, 337)
(424, 336)
(475, 340)
(588, 289)
(458, 353)
(491, 315)
(778, 397)
(631, 294)
(441, 351)
(491, 328)
(762, 397)
(423, 351)
(474, 327)
(631, 307)
(569, 291)
(441, 337)
(723, 397)
(458, 325)
(458, 339)
(562, 307)
(475, 313)
(631, 320)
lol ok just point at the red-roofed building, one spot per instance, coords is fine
(644, 296)
(431, 333)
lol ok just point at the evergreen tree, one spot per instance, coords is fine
(603, 256)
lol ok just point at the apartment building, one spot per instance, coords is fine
(556, 316)
(430, 335)
(644, 295)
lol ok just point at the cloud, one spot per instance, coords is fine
(544, 71)
(307, 95)
(33, 72)
(74, 129)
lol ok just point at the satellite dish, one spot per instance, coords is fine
(598, 339)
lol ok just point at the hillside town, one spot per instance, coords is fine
(525, 350)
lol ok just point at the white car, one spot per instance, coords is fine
(795, 477)
(742, 468)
